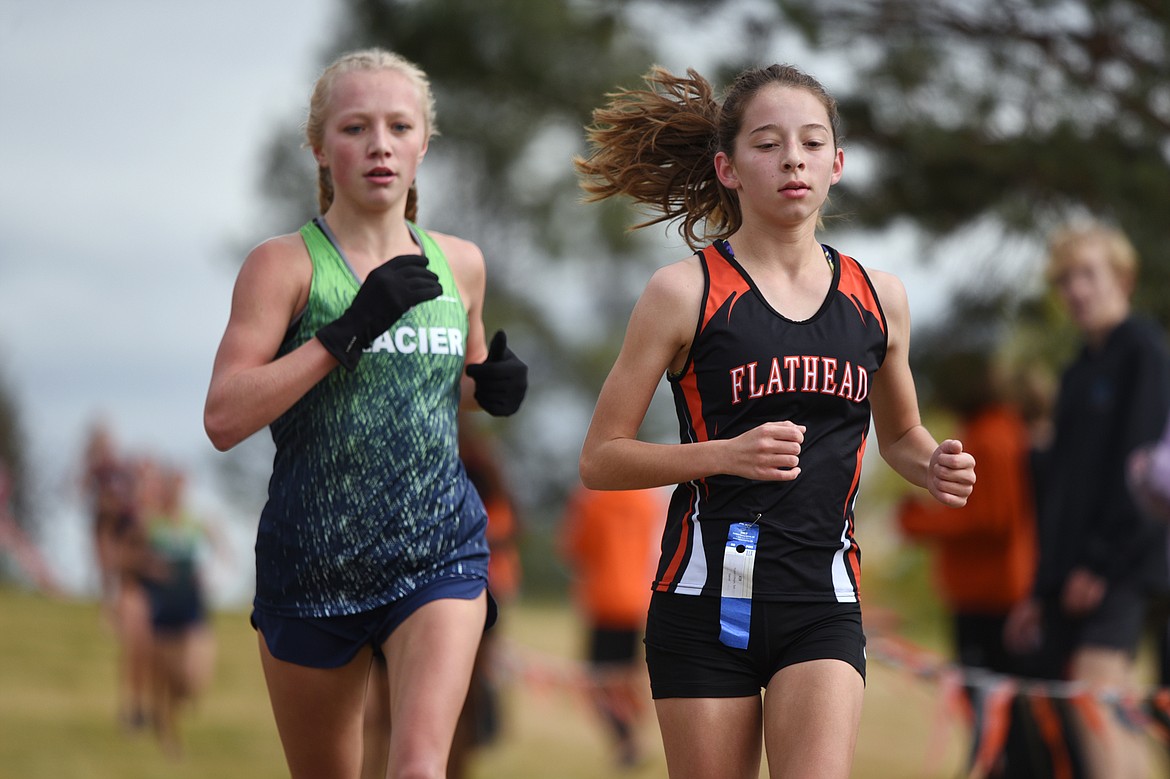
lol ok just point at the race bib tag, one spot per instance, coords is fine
(735, 606)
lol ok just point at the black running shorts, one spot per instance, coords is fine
(686, 659)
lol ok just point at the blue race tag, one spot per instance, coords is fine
(735, 606)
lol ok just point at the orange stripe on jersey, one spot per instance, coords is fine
(690, 390)
(855, 286)
(725, 284)
(683, 537)
(854, 560)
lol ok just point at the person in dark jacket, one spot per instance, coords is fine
(1100, 557)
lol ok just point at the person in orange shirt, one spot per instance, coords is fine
(984, 554)
(608, 540)
(480, 721)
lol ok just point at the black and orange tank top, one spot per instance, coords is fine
(748, 365)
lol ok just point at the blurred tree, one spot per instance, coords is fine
(1022, 113)
(13, 449)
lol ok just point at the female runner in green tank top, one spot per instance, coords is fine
(371, 543)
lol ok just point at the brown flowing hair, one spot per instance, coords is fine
(657, 146)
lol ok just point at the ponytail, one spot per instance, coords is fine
(657, 146)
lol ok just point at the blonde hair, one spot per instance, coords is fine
(364, 60)
(658, 145)
(1119, 252)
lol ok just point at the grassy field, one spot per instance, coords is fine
(57, 709)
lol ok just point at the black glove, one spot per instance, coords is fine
(501, 380)
(388, 292)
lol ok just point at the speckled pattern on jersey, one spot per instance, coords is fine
(368, 497)
(749, 365)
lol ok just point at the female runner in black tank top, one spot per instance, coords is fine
(777, 349)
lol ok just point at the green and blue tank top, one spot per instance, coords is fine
(368, 498)
(173, 587)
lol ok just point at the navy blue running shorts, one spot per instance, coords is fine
(331, 642)
(686, 659)
(175, 609)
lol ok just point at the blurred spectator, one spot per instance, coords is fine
(183, 646)
(482, 462)
(106, 481)
(129, 608)
(479, 722)
(1099, 557)
(608, 539)
(985, 552)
